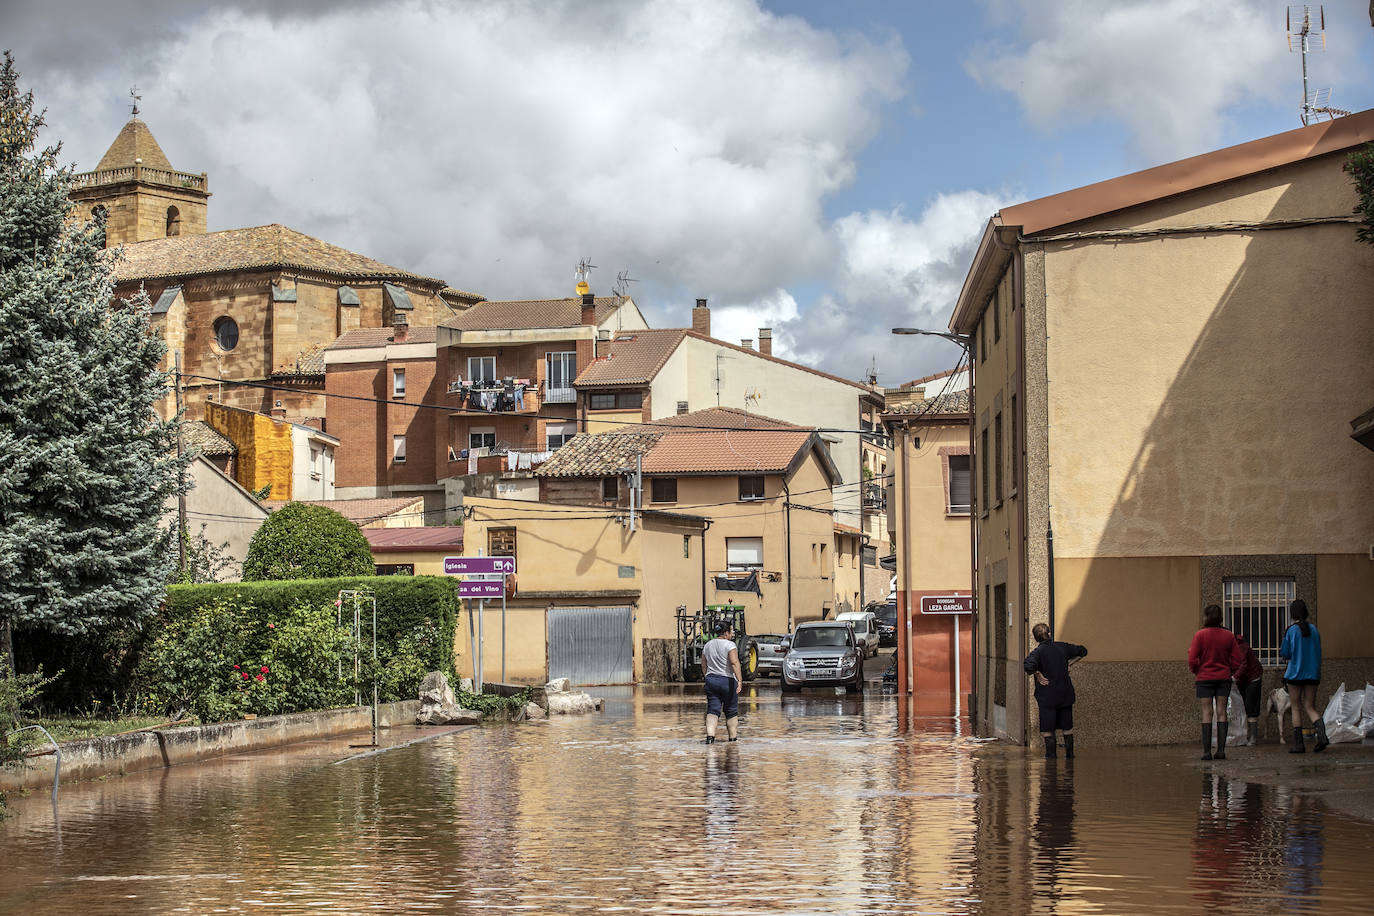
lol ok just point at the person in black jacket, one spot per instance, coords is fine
(1049, 662)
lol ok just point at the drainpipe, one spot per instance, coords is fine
(787, 538)
(1049, 561)
(704, 529)
(905, 675)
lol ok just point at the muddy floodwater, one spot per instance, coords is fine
(824, 806)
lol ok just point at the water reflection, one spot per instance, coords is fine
(823, 806)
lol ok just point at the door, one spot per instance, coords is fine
(591, 646)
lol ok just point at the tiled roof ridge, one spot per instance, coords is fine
(275, 239)
(777, 359)
(672, 424)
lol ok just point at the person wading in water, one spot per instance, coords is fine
(1049, 661)
(720, 662)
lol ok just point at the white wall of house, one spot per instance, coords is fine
(312, 463)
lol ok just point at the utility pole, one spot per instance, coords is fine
(181, 478)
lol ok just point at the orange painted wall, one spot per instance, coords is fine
(932, 643)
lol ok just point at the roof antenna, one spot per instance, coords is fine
(583, 274)
(1307, 32)
(133, 94)
(622, 284)
(873, 370)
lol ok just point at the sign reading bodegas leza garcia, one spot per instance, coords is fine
(947, 604)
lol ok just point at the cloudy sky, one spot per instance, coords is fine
(822, 168)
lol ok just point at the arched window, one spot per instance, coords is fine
(173, 222)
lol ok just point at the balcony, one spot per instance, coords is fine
(516, 397)
(560, 395)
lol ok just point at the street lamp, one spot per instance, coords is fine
(962, 340)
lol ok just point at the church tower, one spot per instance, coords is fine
(143, 196)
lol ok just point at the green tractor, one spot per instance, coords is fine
(696, 628)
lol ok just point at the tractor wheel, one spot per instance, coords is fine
(750, 662)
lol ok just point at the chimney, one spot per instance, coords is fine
(766, 341)
(701, 318)
(747, 343)
(278, 411)
(603, 335)
(400, 328)
(586, 346)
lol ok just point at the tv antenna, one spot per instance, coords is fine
(752, 396)
(1306, 33)
(873, 370)
(622, 284)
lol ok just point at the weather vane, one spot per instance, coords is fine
(133, 94)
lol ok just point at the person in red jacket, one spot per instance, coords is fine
(1249, 681)
(1214, 657)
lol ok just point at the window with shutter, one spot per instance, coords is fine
(743, 554)
(959, 493)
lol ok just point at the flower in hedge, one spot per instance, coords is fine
(244, 673)
(264, 669)
(259, 677)
(271, 626)
(236, 667)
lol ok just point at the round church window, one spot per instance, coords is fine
(226, 333)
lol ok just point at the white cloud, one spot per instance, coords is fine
(495, 144)
(1168, 69)
(894, 272)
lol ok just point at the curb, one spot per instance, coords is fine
(93, 758)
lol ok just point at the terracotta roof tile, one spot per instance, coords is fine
(361, 338)
(257, 248)
(396, 540)
(955, 402)
(310, 362)
(528, 313)
(726, 451)
(631, 358)
(597, 454)
(199, 435)
(726, 417)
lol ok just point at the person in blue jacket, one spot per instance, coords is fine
(1302, 647)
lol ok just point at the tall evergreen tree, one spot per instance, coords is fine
(86, 465)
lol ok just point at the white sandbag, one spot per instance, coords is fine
(1342, 715)
(1366, 725)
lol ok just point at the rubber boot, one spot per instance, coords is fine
(1206, 740)
(1049, 747)
(1222, 728)
(1068, 747)
(1251, 733)
(1322, 741)
(1297, 747)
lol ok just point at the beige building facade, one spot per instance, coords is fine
(1166, 368)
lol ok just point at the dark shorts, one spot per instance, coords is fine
(1303, 681)
(1251, 694)
(1220, 688)
(1056, 717)
(721, 696)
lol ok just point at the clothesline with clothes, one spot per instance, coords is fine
(489, 396)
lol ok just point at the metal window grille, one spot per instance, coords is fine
(1257, 608)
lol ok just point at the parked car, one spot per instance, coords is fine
(887, 622)
(824, 654)
(865, 625)
(772, 648)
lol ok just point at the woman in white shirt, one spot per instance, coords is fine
(720, 663)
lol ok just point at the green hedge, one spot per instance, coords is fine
(403, 604)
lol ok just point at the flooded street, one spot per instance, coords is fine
(821, 807)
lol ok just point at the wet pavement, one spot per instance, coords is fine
(824, 806)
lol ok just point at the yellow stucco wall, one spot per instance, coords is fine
(936, 551)
(606, 421)
(1202, 386)
(1128, 608)
(1345, 604)
(426, 562)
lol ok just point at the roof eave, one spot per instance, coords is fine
(989, 261)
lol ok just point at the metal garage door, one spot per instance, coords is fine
(591, 645)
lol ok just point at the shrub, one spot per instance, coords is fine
(300, 541)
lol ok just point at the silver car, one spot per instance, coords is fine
(824, 654)
(772, 647)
